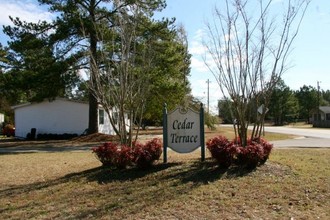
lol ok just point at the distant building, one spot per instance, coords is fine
(58, 116)
(2, 118)
(320, 117)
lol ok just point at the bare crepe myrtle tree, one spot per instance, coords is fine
(119, 86)
(248, 44)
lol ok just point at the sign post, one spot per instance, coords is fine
(202, 133)
(183, 131)
(165, 133)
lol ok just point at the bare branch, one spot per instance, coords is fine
(247, 58)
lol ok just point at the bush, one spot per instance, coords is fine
(267, 150)
(106, 153)
(121, 156)
(228, 153)
(113, 154)
(8, 130)
(145, 155)
(251, 155)
(221, 150)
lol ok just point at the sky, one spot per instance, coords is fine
(309, 60)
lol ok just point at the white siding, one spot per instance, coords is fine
(56, 117)
(106, 127)
(2, 118)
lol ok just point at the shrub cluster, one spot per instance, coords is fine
(121, 156)
(146, 154)
(228, 153)
(8, 130)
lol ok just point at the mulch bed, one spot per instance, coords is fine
(97, 137)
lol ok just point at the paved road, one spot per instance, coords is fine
(307, 137)
(303, 132)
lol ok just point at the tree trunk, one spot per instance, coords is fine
(93, 114)
(93, 126)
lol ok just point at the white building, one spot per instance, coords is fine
(2, 118)
(58, 116)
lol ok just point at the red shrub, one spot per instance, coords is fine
(267, 150)
(113, 154)
(252, 154)
(121, 156)
(145, 155)
(106, 153)
(217, 141)
(124, 157)
(155, 148)
(227, 153)
(8, 130)
(223, 151)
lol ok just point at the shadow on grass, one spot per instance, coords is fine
(206, 172)
(138, 189)
(124, 191)
(104, 175)
(192, 171)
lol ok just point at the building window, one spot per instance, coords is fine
(101, 116)
(328, 116)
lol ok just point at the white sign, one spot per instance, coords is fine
(183, 130)
(261, 109)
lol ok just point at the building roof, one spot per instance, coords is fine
(46, 100)
(325, 109)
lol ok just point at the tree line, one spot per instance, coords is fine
(286, 105)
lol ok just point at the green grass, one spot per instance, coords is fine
(294, 183)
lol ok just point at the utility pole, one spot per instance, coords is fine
(208, 96)
(318, 101)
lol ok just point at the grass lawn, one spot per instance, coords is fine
(293, 184)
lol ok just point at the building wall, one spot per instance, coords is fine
(56, 117)
(105, 127)
(2, 118)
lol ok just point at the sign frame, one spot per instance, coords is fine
(184, 125)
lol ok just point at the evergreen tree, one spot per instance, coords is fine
(325, 98)
(225, 114)
(308, 100)
(283, 105)
(70, 42)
